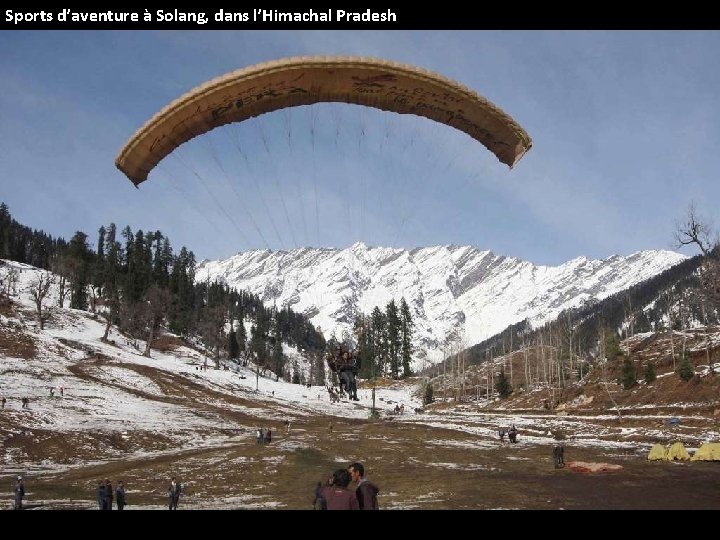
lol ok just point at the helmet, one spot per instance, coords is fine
(19, 477)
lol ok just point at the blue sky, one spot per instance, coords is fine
(625, 127)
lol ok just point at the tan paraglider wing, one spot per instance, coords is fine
(291, 82)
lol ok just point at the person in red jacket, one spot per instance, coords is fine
(337, 495)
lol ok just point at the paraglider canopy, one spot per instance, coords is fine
(291, 82)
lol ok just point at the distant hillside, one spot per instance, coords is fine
(671, 299)
(599, 356)
(136, 281)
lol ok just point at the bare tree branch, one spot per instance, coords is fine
(699, 231)
(694, 230)
(39, 289)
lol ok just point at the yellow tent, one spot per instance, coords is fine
(707, 452)
(677, 451)
(657, 452)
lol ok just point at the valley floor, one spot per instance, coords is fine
(200, 426)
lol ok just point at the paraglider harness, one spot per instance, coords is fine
(345, 365)
(338, 363)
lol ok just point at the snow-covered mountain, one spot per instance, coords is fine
(458, 290)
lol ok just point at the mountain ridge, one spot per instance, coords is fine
(452, 290)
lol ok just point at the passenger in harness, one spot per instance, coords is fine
(348, 369)
(346, 365)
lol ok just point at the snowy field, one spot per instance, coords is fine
(143, 419)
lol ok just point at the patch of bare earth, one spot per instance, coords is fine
(15, 343)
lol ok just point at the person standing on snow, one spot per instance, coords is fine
(120, 495)
(19, 492)
(173, 492)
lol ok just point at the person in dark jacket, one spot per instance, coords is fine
(173, 492)
(101, 495)
(108, 494)
(347, 370)
(19, 492)
(338, 496)
(319, 503)
(120, 495)
(366, 492)
(559, 456)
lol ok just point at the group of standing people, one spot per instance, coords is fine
(263, 436)
(25, 402)
(105, 495)
(511, 433)
(335, 495)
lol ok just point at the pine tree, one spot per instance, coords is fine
(686, 370)
(184, 292)
(503, 386)
(128, 260)
(110, 275)
(144, 252)
(79, 257)
(428, 397)
(378, 331)
(628, 378)
(363, 337)
(612, 345)
(406, 331)
(393, 337)
(233, 346)
(5, 224)
(650, 373)
(99, 270)
(257, 346)
(160, 263)
(278, 360)
(241, 335)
